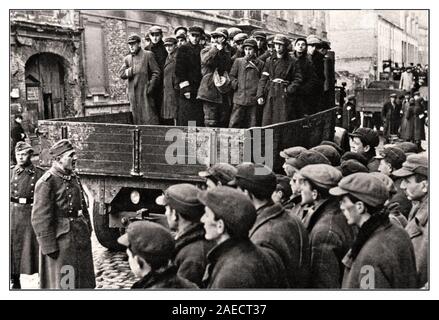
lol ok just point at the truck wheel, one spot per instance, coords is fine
(106, 236)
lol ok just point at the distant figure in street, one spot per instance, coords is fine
(143, 74)
(318, 61)
(391, 117)
(150, 248)
(169, 109)
(407, 82)
(17, 134)
(24, 244)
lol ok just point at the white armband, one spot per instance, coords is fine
(265, 74)
(184, 84)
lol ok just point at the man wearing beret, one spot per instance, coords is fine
(170, 86)
(364, 141)
(415, 184)
(62, 224)
(304, 99)
(280, 80)
(245, 75)
(235, 262)
(24, 244)
(143, 74)
(329, 234)
(157, 47)
(275, 230)
(391, 117)
(150, 248)
(183, 213)
(216, 58)
(391, 159)
(188, 74)
(220, 174)
(381, 257)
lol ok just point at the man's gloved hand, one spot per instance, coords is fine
(53, 255)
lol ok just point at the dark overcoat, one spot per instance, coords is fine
(191, 249)
(165, 279)
(160, 55)
(391, 117)
(420, 114)
(407, 121)
(62, 223)
(170, 89)
(245, 75)
(143, 74)
(278, 232)
(386, 261)
(330, 239)
(24, 244)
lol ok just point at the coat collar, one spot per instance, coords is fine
(30, 169)
(266, 213)
(311, 214)
(420, 212)
(59, 172)
(154, 277)
(193, 233)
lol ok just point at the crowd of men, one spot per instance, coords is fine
(335, 218)
(224, 79)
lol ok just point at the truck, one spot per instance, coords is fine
(125, 167)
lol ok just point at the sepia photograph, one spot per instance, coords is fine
(219, 149)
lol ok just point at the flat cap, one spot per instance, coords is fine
(355, 156)
(326, 45)
(233, 32)
(408, 147)
(221, 32)
(180, 34)
(367, 135)
(364, 187)
(270, 38)
(281, 39)
(180, 30)
(322, 175)
(233, 207)
(250, 43)
(240, 37)
(415, 163)
(307, 157)
(393, 155)
(23, 146)
(133, 38)
(292, 152)
(351, 166)
(183, 198)
(313, 40)
(196, 29)
(222, 172)
(283, 184)
(329, 152)
(255, 178)
(300, 39)
(334, 145)
(149, 240)
(393, 95)
(170, 40)
(390, 185)
(61, 147)
(155, 29)
(259, 34)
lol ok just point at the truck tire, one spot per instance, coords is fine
(106, 236)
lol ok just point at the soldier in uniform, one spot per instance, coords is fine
(62, 224)
(24, 245)
(143, 74)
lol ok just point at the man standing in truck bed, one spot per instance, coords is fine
(143, 74)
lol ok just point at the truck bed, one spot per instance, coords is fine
(109, 145)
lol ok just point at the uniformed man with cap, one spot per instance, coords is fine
(143, 74)
(235, 262)
(150, 248)
(220, 174)
(391, 117)
(280, 80)
(24, 245)
(304, 98)
(188, 75)
(62, 224)
(414, 172)
(245, 74)
(364, 141)
(216, 58)
(317, 58)
(350, 119)
(183, 213)
(381, 256)
(279, 233)
(329, 234)
(170, 86)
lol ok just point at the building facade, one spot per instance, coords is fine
(364, 39)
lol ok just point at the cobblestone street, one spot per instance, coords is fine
(111, 268)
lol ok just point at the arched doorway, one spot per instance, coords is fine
(45, 91)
